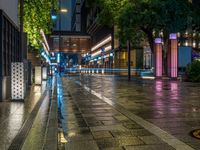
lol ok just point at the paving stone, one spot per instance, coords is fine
(79, 137)
(105, 114)
(82, 145)
(101, 134)
(140, 132)
(107, 143)
(108, 128)
(194, 145)
(105, 118)
(121, 118)
(151, 139)
(130, 141)
(113, 148)
(84, 130)
(164, 104)
(94, 123)
(121, 133)
(149, 147)
(132, 126)
(118, 142)
(111, 122)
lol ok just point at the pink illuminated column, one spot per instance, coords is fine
(158, 57)
(173, 56)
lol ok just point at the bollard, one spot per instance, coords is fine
(102, 71)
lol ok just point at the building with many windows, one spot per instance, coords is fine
(76, 16)
(70, 41)
(105, 51)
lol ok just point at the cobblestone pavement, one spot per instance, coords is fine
(110, 113)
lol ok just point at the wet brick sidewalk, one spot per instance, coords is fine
(13, 115)
(91, 124)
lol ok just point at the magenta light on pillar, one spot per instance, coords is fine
(158, 52)
(173, 36)
(158, 41)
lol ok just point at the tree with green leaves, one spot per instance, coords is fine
(140, 20)
(195, 6)
(109, 11)
(155, 16)
(37, 16)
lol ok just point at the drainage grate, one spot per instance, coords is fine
(18, 141)
(196, 133)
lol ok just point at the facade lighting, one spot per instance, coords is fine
(108, 48)
(102, 43)
(45, 40)
(63, 10)
(96, 53)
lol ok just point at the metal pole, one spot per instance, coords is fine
(59, 64)
(129, 59)
(21, 28)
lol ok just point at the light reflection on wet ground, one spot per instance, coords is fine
(171, 105)
(13, 114)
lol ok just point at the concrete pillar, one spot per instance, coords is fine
(158, 57)
(173, 56)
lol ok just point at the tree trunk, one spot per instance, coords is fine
(129, 59)
(165, 51)
(149, 33)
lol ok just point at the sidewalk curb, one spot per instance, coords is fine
(51, 135)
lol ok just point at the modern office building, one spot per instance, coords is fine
(67, 40)
(63, 18)
(76, 16)
(102, 42)
(105, 51)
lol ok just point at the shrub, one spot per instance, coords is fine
(193, 71)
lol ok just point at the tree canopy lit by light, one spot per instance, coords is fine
(37, 15)
(139, 19)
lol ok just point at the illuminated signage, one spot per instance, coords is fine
(108, 39)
